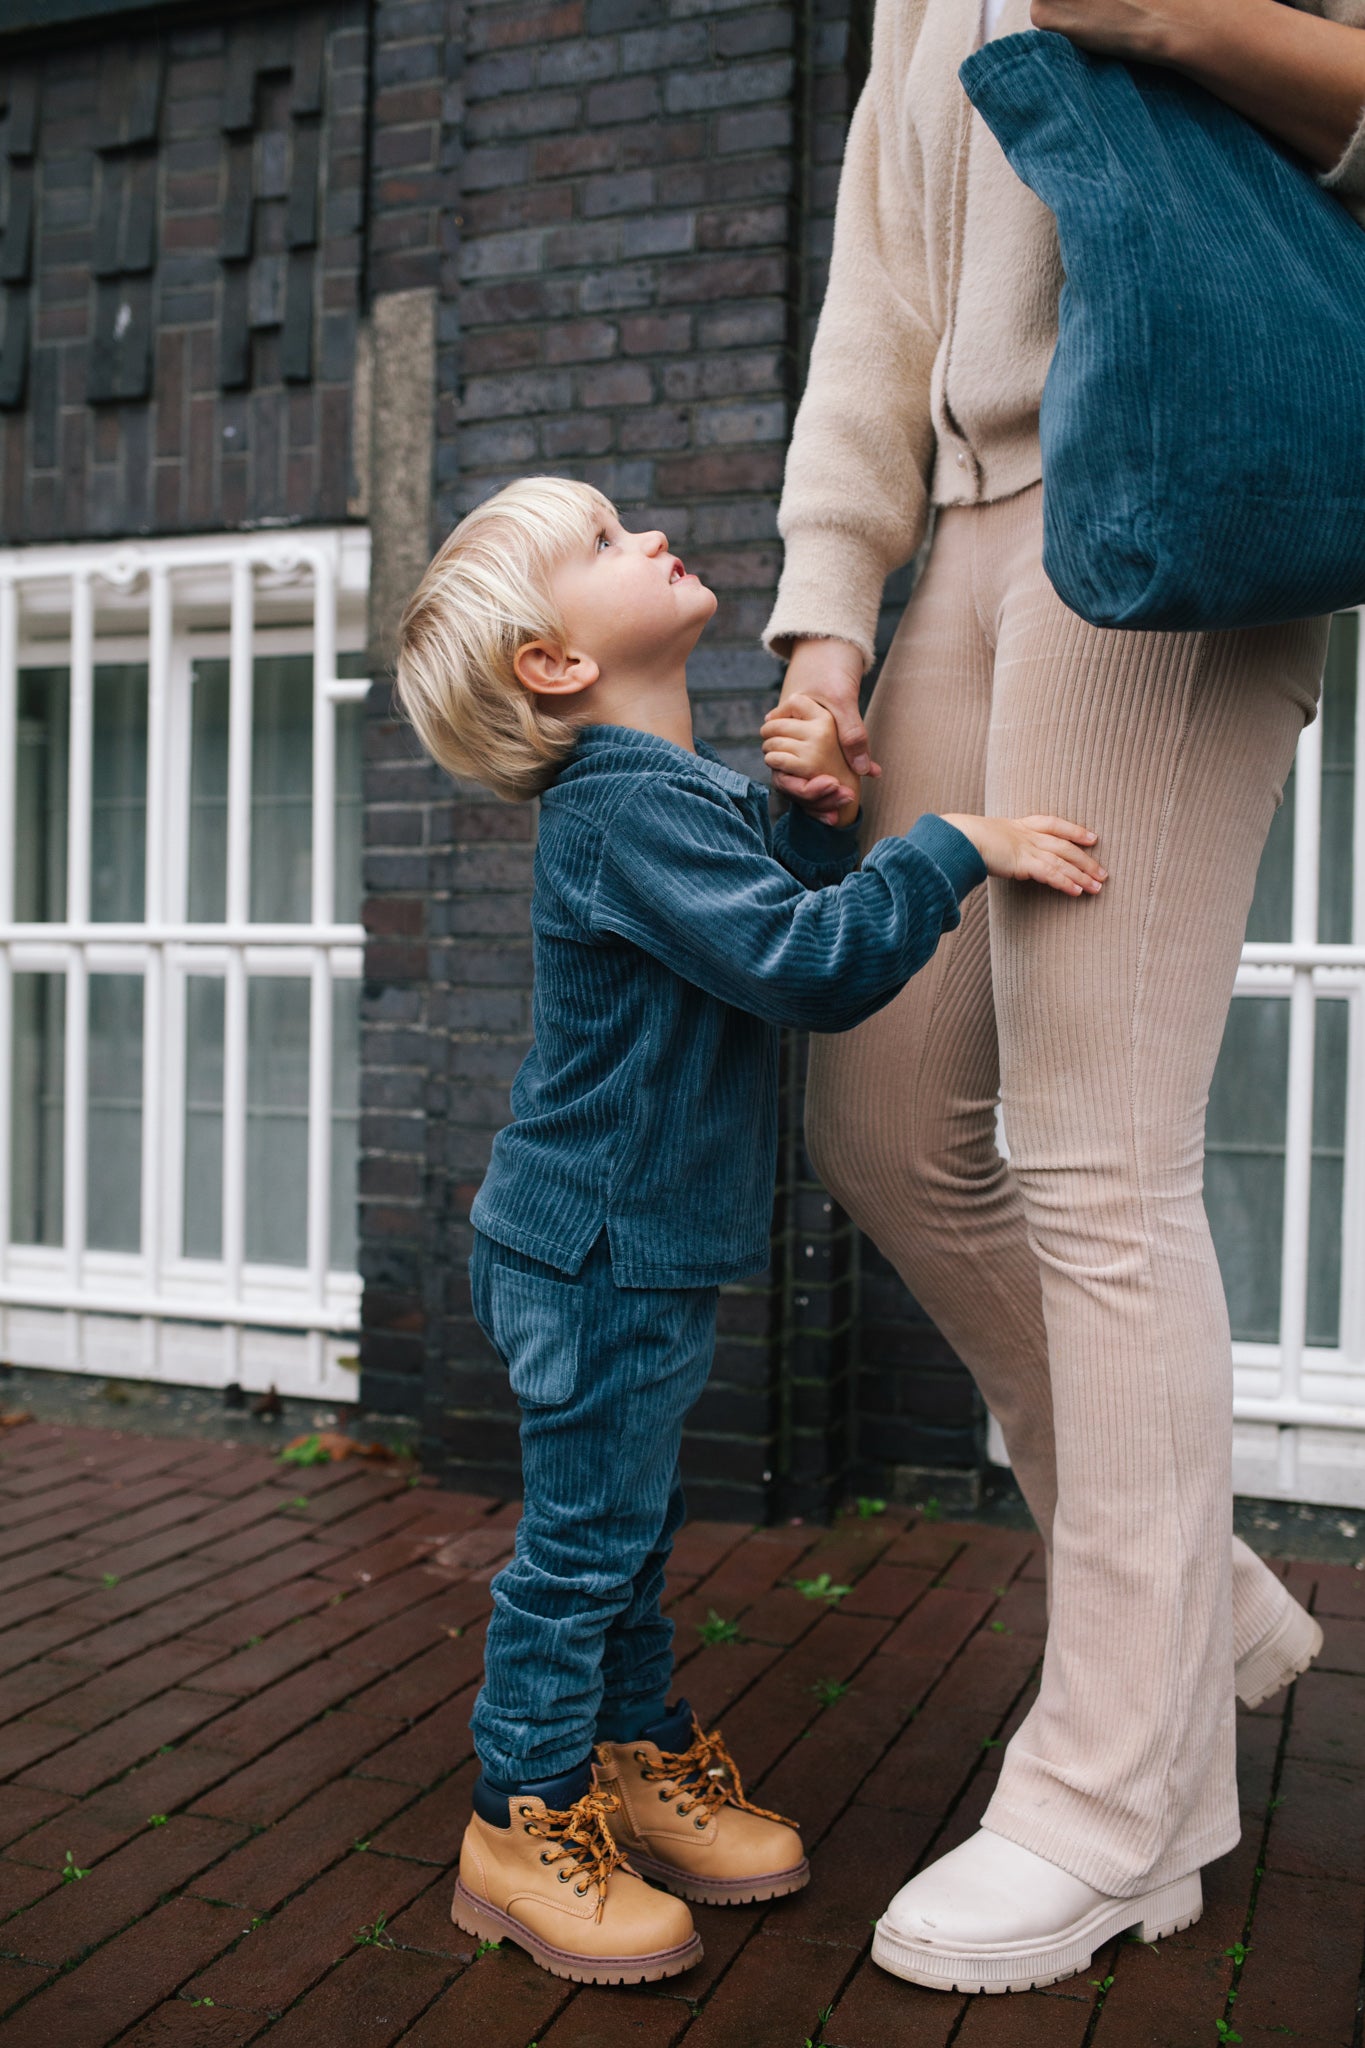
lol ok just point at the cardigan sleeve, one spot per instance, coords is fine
(855, 497)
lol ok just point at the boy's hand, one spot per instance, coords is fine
(801, 739)
(1049, 850)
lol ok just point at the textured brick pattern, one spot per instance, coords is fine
(278, 1868)
(216, 243)
(646, 199)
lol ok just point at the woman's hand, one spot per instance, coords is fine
(1151, 30)
(1296, 75)
(1047, 850)
(801, 744)
(831, 671)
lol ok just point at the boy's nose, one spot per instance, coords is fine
(656, 543)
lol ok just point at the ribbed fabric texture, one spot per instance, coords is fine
(1195, 469)
(1079, 1282)
(579, 1650)
(675, 931)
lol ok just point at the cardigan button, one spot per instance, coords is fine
(961, 460)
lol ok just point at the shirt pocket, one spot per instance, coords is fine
(538, 1328)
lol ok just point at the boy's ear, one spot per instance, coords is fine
(550, 671)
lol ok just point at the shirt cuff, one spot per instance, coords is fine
(813, 853)
(951, 851)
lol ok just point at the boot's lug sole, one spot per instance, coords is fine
(730, 1891)
(1275, 1662)
(488, 1923)
(1032, 1965)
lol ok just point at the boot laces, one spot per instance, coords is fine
(581, 1834)
(707, 1778)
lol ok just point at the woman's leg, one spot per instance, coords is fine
(901, 1112)
(1111, 1012)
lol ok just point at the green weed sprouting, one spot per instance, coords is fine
(822, 1588)
(312, 1451)
(715, 1629)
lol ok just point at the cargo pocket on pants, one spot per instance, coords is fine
(538, 1328)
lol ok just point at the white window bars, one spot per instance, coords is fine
(1286, 1189)
(180, 952)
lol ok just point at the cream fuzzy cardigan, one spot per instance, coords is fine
(937, 328)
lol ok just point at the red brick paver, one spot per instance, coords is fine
(238, 1695)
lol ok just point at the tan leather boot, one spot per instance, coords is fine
(557, 1885)
(685, 1822)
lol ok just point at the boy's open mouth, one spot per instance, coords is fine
(677, 574)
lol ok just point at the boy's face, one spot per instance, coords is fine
(627, 603)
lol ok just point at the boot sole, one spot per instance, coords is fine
(1031, 1965)
(730, 1891)
(488, 1923)
(1281, 1657)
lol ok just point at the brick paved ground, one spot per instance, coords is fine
(235, 1696)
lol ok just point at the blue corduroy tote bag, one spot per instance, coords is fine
(1203, 421)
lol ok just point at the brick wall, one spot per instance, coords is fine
(181, 330)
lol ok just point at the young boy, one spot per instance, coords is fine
(675, 930)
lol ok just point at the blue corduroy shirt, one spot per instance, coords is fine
(675, 929)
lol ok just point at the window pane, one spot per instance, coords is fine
(207, 893)
(1338, 782)
(1332, 1024)
(282, 790)
(113, 1153)
(36, 1178)
(345, 1123)
(118, 819)
(203, 1200)
(1272, 907)
(1244, 1173)
(350, 731)
(40, 785)
(277, 1121)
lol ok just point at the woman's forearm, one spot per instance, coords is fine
(1297, 76)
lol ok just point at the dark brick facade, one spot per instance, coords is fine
(614, 215)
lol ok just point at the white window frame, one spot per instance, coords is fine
(1299, 1409)
(156, 1314)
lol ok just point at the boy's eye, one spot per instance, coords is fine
(602, 541)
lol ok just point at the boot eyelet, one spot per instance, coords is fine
(545, 1856)
(699, 1822)
(682, 1813)
(523, 1811)
(581, 1891)
(564, 1876)
(665, 1796)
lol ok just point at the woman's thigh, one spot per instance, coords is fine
(1174, 747)
(921, 1074)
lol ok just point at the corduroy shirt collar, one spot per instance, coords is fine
(624, 750)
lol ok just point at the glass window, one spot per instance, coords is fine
(42, 766)
(118, 797)
(113, 1157)
(202, 1233)
(277, 1120)
(37, 1104)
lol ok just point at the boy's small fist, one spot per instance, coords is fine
(801, 740)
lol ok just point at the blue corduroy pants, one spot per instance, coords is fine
(579, 1650)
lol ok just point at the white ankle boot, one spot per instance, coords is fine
(991, 1916)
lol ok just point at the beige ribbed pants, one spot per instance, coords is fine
(1079, 1282)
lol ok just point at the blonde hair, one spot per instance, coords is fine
(486, 594)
